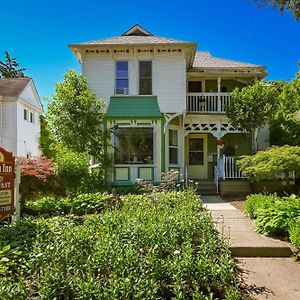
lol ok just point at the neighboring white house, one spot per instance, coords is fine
(20, 109)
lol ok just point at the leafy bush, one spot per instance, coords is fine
(255, 202)
(79, 205)
(167, 249)
(38, 178)
(274, 215)
(71, 169)
(294, 232)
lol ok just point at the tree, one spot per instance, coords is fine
(10, 68)
(285, 126)
(47, 140)
(251, 108)
(76, 117)
(271, 163)
(291, 5)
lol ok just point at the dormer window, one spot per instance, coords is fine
(122, 82)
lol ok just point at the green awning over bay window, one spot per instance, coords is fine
(133, 107)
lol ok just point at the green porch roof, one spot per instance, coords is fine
(133, 106)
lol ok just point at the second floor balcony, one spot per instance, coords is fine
(207, 102)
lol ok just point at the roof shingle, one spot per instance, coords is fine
(204, 60)
(12, 87)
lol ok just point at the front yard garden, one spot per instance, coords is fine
(135, 247)
(276, 215)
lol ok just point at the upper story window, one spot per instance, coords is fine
(31, 117)
(122, 82)
(145, 79)
(26, 114)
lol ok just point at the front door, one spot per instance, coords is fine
(197, 156)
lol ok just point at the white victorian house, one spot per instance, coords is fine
(166, 102)
(20, 110)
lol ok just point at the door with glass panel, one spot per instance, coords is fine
(197, 156)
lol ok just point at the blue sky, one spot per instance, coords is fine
(38, 32)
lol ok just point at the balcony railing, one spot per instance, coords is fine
(207, 102)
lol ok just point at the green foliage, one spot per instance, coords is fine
(291, 5)
(10, 68)
(284, 125)
(294, 232)
(71, 169)
(47, 140)
(75, 116)
(255, 202)
(251, 107)
(166, 249)
(271, 163)
(275, 215)
(79, 205)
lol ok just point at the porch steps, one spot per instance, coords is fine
(205, 187)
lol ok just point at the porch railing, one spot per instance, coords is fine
(228, 169)
(207, 102)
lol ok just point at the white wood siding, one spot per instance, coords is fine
(100, 75)
(9, 126)
(169, 83)
(28, 133)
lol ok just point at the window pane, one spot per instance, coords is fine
(121, 83)
(195, 158)
(145, 78)
(134, 146)
(121, 77)
(195, 144)
(173, 137)
(146, 86)
(173, 155)
(195, 87)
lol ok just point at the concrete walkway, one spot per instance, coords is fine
(265, 264)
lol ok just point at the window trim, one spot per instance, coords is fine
(126, 90)
(173, 147)
(25, 114)
(154, 159)
(139, 77)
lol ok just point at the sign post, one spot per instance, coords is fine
(7, 184)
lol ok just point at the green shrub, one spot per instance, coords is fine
(79, 205)
(71, 168)
(255, 202)
(275, 218)
(294, 232)
(166, 249)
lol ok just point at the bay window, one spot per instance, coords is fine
(133, 145)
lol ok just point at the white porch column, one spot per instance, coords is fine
(219, 91)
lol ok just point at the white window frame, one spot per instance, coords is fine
(25, 114)
(154, 146)
(31, 117)
(139, 77)
(126, 90)
(173, 147)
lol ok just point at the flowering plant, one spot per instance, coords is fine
(220, 143)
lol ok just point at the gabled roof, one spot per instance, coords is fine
(136, 35)
(137, 30)
(12, 87)
(204, 60)
(131, 106)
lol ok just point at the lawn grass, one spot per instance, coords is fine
(163, 248)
